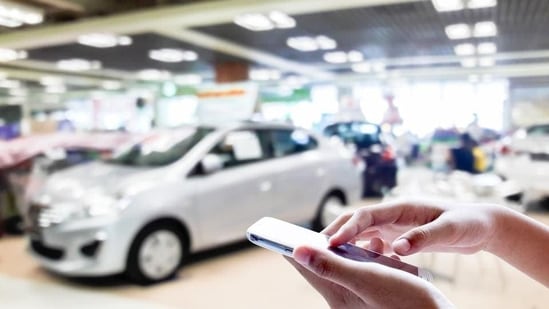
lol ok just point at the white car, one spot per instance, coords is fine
(184, 190)
(525, 161)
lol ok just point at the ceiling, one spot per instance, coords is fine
(406, 35)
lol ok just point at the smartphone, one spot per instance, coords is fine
(282, 237)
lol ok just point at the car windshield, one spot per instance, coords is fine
(538, 130)
(160, 148)
(361, 134)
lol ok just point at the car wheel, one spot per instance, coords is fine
(156, 254)
(330, 208)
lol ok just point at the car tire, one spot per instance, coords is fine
(330, 207)
(156, 253)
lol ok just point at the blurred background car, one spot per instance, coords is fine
(524, 159)
(380, 165)
(180, 191)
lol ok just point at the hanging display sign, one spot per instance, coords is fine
(226, 102)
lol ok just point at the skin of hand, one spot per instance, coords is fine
(426, 225)
(349, 284)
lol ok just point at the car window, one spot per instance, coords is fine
(288, 142)
(361, 134)
(540, 130)
(240, 147)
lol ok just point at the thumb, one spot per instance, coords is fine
(432, 234)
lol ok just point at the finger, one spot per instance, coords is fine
(338, 270)
(336, 224)
(376, 245)
(437, 233)
(387, 213)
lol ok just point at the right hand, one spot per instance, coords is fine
(419, 225)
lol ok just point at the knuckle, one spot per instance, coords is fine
(322, 267)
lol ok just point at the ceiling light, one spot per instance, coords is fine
(354, 56)
(378, 67)
(325, 42)
(153, 75)
(295, 81)
(188, 79)
(16, 14)
(335, 57)
(78, 64)
(338, 57)
(282, 20)
(58, 89)
(486, 62)
(264, 74)
(124, 40)
(111, 85)
(487, 48)
(307, 44)
(99, 40)
(480, 4)
(466, 49)
(263, 22)
(10, 83)
(363, 67)
(469, 62)
(50, 81)
(254, 22)
(7, 54)
(172, 55)
(485, 29)
(448, 5)
(458, 31)
(302, 43)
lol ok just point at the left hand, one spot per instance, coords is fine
(346, 283)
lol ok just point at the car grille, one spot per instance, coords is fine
(45, 251)
(539, 156)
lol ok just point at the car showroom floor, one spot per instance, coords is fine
(244, 276)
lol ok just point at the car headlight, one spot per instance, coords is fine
(102, 205)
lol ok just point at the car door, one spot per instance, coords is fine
(301, 174)
(231, 199)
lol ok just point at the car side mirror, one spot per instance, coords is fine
(211, 163)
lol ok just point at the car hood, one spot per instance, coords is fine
(99, 178)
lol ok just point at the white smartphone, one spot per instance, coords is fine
(282, 237)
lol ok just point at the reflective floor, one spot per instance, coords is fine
(243, 276)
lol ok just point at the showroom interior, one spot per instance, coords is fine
(140, 139)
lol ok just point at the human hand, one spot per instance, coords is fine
(413, 226)
(350, 284)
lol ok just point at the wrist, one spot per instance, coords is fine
(500, 228)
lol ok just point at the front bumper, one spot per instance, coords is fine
(94, 248)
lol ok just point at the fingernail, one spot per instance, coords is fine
(302, 256)
(402, 245)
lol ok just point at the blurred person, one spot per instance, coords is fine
(466, 157)
(411, 226)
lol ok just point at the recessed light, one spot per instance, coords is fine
(469, 62)
(7, 54)
(448, 5)
(172, 55)
(354, 56)
(487, 48)
(98, 40)
(10, 23)
(188, 79)
(16, 14)
(307, 44)
(363, 67)
(111, 85)
(264, 22)
(336, 57)
(282, 20)
(124, 40)
(465, 49)
(78, 64)
(486, 62)
(153, 75)
(485, 29)
(480, 4)
(458, 31)
(10, 83)
(264, 74)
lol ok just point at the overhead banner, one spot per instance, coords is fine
(226, 102)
